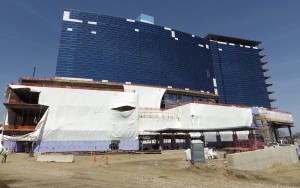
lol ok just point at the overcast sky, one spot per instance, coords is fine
(30, 33)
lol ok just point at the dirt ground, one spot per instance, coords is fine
(169, 169)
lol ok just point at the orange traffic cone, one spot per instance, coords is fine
(95, 158)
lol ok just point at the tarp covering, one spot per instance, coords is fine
(277, 115)
(77, 114)
(196, 116)
(149, 97)
(215, 116)
(157, 119)
(91, 115)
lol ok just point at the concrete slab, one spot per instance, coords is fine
(55, 158)
(262, 159)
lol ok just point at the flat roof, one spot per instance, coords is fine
(93, 84)
(224, 38)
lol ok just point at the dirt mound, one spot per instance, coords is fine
(278, 175)
(3, 185)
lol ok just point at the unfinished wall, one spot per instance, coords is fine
(262, 159)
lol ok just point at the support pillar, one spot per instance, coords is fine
(161, 142)
(173, 141)
(219, 141)
(156, 143)
(187, 141)
(234, 137)
(202, 138)
(142, 145)
(275, 133)
(290, 131)
(251, 135)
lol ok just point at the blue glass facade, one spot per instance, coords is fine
(239, 75)
(122, 50)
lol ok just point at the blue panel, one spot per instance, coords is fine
(298, 150)
(239, 75)
(255, 111)
(129, 145)
(141, 53)
(12, 145)
(71, 146)
(120, 53)
(184, 98)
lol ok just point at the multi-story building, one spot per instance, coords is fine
(120, 81)
(102, 47)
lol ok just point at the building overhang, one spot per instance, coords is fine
(179, 130)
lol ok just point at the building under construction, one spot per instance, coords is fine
(130, 84)
(82, 115)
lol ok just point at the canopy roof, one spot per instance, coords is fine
(222, 129)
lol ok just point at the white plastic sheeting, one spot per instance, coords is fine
(276, 115)
(76, 114)
(210, 153)
(1, 147)
(188, 155)
(149, 97)
(196, 116)
(156, 119)
(225, 136)
(26, 137)
(215, 116)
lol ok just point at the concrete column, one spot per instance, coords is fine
(173, 141)
(161, 141)
(187, 141)
(251, 135)
(290, 131)
(142, 146)
(234, 137)
(275, 133)
(219, 141)
(202, 137)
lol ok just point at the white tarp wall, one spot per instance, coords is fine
(190, 116)
(197, 116)
(150, 115)
(77, 114)
(225, 136)
(215, 116)
(201, 116)
(276, 115)
(149, 97)
(157, 119)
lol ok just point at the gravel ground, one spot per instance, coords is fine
(170, 169)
